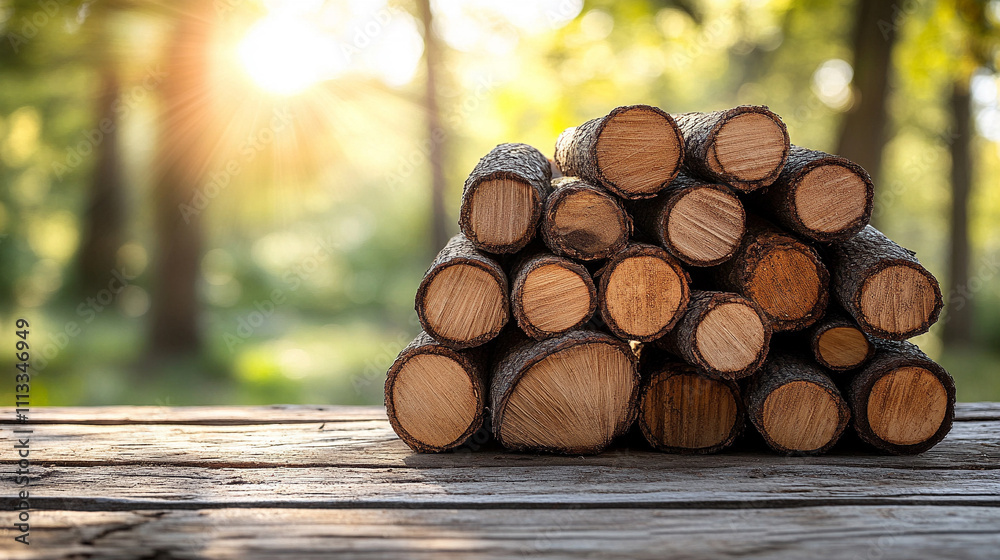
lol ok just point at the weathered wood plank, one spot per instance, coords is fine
(829, 532)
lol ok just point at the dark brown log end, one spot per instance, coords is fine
(634, 151)
(723, 333)
(686, 410)
(571, 394)
(745, 147)
(796, 407)
(642, 292)
(462, 300)
(838, 343)
(903, 402)
(434, 395)
(583, 221)
(503, 196)
(884, 287)
(551, 295)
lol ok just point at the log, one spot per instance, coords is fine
(462, 300)
(796, 407)
(821, 197)
(837, 343)
(903, 402)
(551, 294)
(783, 275)
(723, 333)
(634, 151)
(570, 394)
(435, 396)
(683, 409)
(583, 221)
(503, 196)
(642, 292)
(883, 286)
(745, 147)
(700, 223)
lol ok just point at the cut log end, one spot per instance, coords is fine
(831, 198)
(434, 401)
(555, 298)
(575, 400)
(643, 295)
(463, 302)
(790, 287)
(705, 226)
(900, 300)
(689, 412)
(843, 348)
(907, 406)
(586, 224)
(730, 337)
(801, 416)
(639, 151)
(749, 147)
(502, 213)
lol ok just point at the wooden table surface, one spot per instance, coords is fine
(310, 481)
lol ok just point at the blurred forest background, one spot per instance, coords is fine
(233, 201)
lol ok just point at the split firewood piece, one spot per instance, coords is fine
(551, 294)
(683, 409)
(783, 275)
(435, 396)
(583, 221)
(883, 286)
(570, 394)
(838, 343)
(745, 147)
(699, 223)
(503, 196)
(634, 151)
(642, 292)
(722, 333)
(795, 406)
(903, 402)
(819, 196)
(462, 300)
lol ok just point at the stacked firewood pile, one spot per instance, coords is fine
(681, 274)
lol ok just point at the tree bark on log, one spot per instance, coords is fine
(883, 286)
(683, 409)
(722, 333)
(700, 223)
(784, 276)
(796, 407)
(744, 147)
(463, 300)
(822, 197)
(575, 403)
(583, 221)
(634, 151)
(435, 396)
(503, 196)
(838, 343)
(903, 402)
(551, 294)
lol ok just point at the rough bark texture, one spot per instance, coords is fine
(835, 317)
(576, 151)
(472, 361)
(861, 257)
(657, 367)
(781, 369)
(459, 250)
(699, 131)
(760, 238)
(777, 201)
(534, 260)
(517, 162)
(575, 244)
(603, 277)
(651, 217)
(682, 341)
(890, 356)
(515, 354)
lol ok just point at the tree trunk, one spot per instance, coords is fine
(958, 324)
(432, 53)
